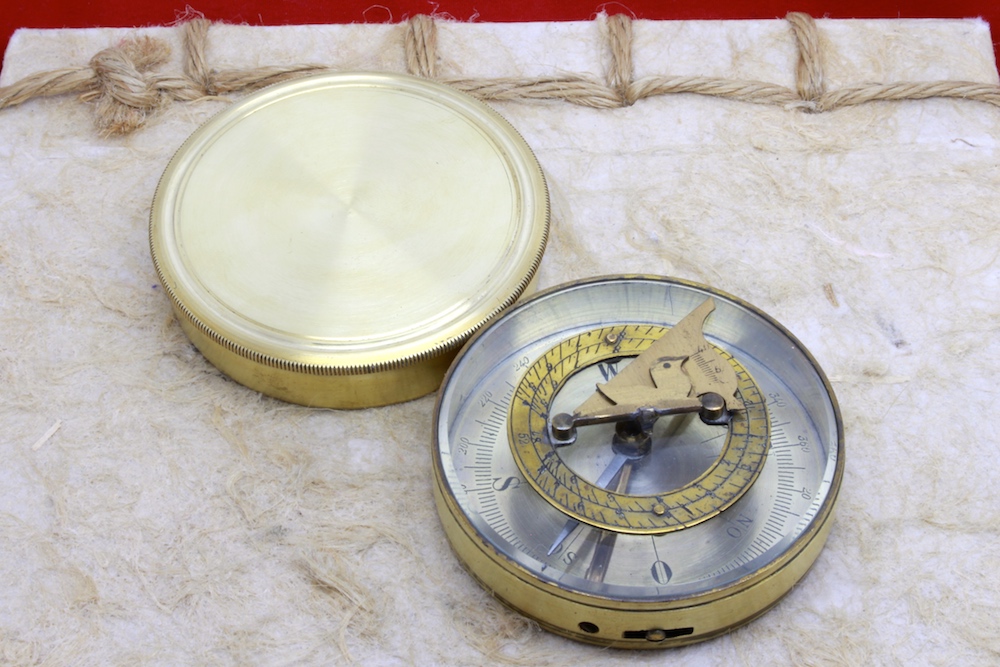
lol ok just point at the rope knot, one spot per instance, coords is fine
(126, 90)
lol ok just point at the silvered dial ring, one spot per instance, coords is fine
(609, 586)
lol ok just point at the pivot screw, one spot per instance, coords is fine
(713, 409)
(563, 429)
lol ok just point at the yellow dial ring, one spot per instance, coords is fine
(725, 481)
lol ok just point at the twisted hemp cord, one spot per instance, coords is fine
(126, 89)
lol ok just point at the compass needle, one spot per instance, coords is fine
(603, 481)
(606, 540)
(671, 529)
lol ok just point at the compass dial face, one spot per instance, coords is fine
(584, 570)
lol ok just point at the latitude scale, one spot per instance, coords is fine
(632, 461)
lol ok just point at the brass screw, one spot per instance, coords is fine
(611, 338)
(659, 509)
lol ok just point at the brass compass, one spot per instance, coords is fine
(637, 461)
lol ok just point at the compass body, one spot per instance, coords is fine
(676, 535)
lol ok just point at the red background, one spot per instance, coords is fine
(127, 13)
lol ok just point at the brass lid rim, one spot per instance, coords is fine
(328, 360)
(337, 370)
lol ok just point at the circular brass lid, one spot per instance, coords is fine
(346, 225)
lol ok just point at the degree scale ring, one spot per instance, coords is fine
(725, 481)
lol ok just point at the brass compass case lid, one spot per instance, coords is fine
(332, 241)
